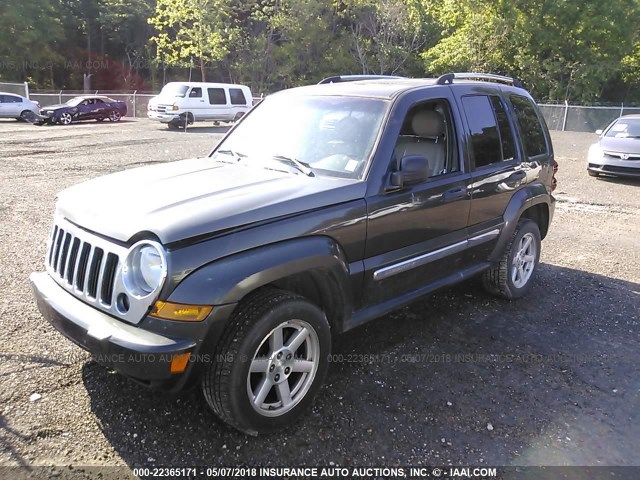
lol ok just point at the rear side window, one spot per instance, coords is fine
(504, 128)
(530, 126)
(12, 99)
(485, 139)
(217, 96)
(237, 96)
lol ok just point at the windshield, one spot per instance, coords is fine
(625, 128)
(329, 135)
(174, 90)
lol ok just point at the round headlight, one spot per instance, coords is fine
(145, 269)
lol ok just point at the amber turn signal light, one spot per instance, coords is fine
(179, 362)
(180, 311)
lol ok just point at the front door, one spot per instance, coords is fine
(417, 235)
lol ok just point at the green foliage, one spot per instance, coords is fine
(192, 31)
(583, 51)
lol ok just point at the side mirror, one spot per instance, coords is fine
(413, 169)
(599, 131)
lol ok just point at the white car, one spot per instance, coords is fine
(15, 106)
(181, 103)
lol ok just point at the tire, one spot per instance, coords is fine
(27, 116)
(114, 116)
(247, 362)
(505, 279)
(238, 116)
(173, 125)
(65, 119)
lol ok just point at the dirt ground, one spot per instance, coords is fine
(552, 379)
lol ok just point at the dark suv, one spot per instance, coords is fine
(325, 207)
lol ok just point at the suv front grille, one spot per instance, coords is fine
(81, 266)
(89, 267)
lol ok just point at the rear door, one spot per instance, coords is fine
(11, 106)
(498, 164)
(218, 104)
(239, 102)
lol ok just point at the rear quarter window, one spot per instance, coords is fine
(530, 125)
(237, 96)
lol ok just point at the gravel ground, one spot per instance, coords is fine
(552, 379)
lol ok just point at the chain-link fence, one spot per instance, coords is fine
(18, 88)
(580, 118)
(137, 102)
(565, 117)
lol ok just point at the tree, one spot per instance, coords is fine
(29, 36)
(192, 31)
(385, 34)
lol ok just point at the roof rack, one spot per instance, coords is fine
(489, 77)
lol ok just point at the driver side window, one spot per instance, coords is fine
(427, 131)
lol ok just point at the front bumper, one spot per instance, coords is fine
(133, 351)
(163, 116)
(619, 168)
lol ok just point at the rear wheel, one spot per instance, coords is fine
(513, 276)
(270, 362)
(114, 116)
(27, 116)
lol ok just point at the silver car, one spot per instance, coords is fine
(15, 106)
(617, 152)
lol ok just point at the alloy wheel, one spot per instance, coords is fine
(524, 261)
(283, 368)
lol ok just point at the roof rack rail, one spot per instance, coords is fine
(490, 77)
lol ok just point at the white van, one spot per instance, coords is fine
(198, 101)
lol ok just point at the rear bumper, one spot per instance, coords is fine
(131, 350)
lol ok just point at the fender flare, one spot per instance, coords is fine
(521, 201)
(230, 279)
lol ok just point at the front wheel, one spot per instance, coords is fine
(65, 118)
(270, 362)
(513, 276)
(115, 116)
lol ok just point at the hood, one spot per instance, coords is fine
(620, 145)
(165, 99)
(56, 107)
(184, 199)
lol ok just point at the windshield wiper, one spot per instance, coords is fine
(237, 155)
(294, 162)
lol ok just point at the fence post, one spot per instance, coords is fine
(26, 89)
(134, 103)
(566, 112)
(621, 108)
(60, 97)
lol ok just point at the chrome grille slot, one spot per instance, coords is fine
(88, 266)
(81, 270)
(63, 254)
(109, 273)
(71, 263)
(95, 269)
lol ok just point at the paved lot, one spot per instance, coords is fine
(552, 379)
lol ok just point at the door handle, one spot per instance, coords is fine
(454, 194)
(515, 178)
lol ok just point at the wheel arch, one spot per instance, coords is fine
(314, 267)
(533, 203)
